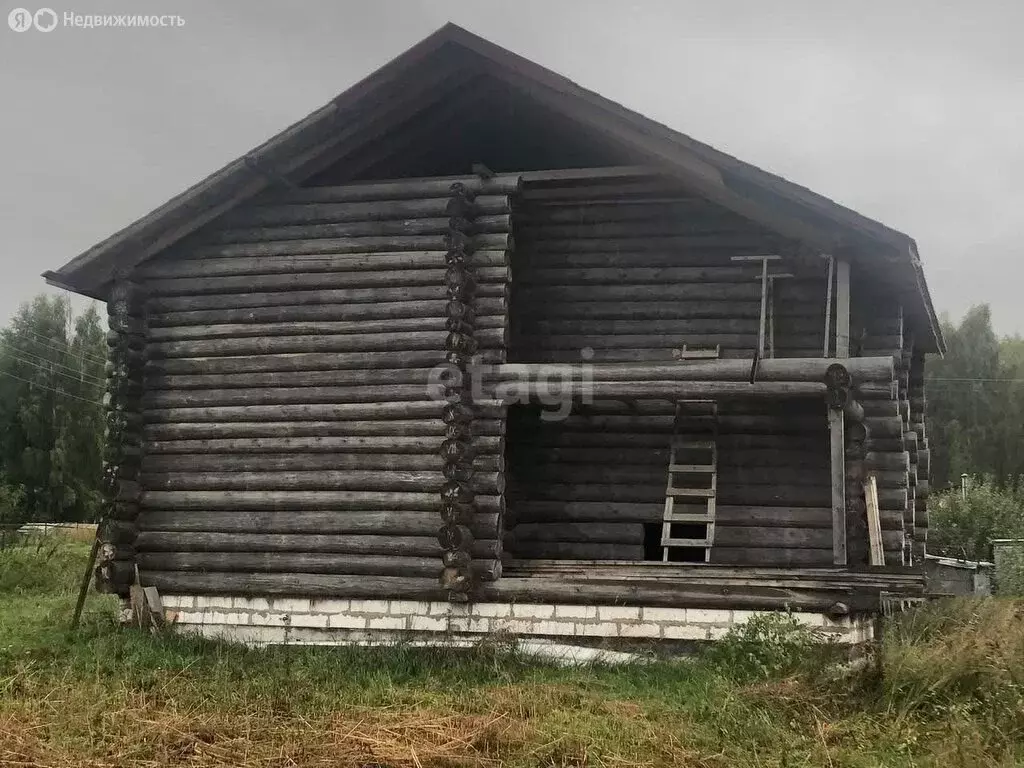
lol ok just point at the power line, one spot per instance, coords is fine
(58, 346)
(38, 361)
(70, 372)
(52, 389)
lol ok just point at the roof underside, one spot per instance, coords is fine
(455, 99)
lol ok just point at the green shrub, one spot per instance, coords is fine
(767, 645)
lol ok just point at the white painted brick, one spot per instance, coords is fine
(250, 604)
(513, 626)
(330, 606)
(427, 624)
(560, 628)
(270, 618)
(223, 617)
(213, 602)
(408, 607)
(290, 604)
(618, 613)
(178, 601)
(684, 632)
(385, 622)
(189, 617)
(676, 615)
(533, 610)
(377, 607)
(598, 629)
(810, 619)
(639, 630)
(708, 616)
(439, 609)
(346, 621)
(309, 619)
(575, 612)
(716, 633)
(492, 610)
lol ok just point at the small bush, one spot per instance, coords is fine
(767, 645)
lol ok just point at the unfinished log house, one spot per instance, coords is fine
(473, 349)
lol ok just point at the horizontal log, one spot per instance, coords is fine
(655, 474)
(530, 339)
(783, 538)
(379, 523)
(887, 461)
(242, 330)
(541, 295)
(397, 428)
(428, 409)
(261, 462)
(382, 310)
(381, 228)
(306, 562)
(313, 263)
(262, 500)
(626, 275)
(639, 244)
(739, 325)
(344, 445)
(592, 532)
(300, 584)
(316, 281)
(425, 481)
(559, 550)
(363, 378)
(763, 495)
(380, 210)
(770, 556)
(347, 342)
(322, 245)
(770, 370)
(255, 300)
(401, 189)
(259, 396)
(517, 390)
(400, 546)
(612, 309)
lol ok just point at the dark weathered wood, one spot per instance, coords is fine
(574, 550)
(301, 499)
(312, 395)
(263, 462)
(324, 245)
(299, 281)
(406, 546)
(837, 443)
(306, 562)
(401, 189)
(341, 446)
(484, 525)
(317, 480)
(304, 584)
(782, 537)
(299, 312)
(427, 409)
(592, 532)
(771, 556)
(397, 428)
(379, 210)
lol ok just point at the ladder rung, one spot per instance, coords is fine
(695, 468)
(701, 543)
(689, 517)
(703, 493)
(708, 445)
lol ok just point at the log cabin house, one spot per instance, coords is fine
(473, 349)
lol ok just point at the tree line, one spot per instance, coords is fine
(51, 413)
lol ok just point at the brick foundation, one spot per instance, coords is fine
(260, 621)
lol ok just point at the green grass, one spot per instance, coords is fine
(950, 693)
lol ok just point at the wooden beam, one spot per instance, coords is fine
(838, 452)
(842, 309)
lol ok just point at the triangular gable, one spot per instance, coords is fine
(440, 64)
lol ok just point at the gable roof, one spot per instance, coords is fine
(440, 60)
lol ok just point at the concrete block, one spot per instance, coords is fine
(674, 615)
(385, 622)
(213, 602)
(427, 624)
(684, 632)
(558, 628)
(377, 607)
(708, 616)
(290, 604)
(575, 611)
(309, 620)
(491, 610)
(533, 610)
(639, 630)
(618, 613)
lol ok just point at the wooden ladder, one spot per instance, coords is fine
(692, 480)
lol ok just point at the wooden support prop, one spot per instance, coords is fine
(842, 309)
(874, 522)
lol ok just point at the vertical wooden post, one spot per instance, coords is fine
(842, 309)
(829, 281)
(837, 443)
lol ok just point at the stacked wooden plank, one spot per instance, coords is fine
(293, 405)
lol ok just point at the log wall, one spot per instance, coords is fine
(636, 273)
(298, 354)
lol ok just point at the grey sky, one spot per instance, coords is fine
(910, 112)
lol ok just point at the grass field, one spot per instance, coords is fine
(949, 692)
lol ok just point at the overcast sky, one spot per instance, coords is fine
(910, 112)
